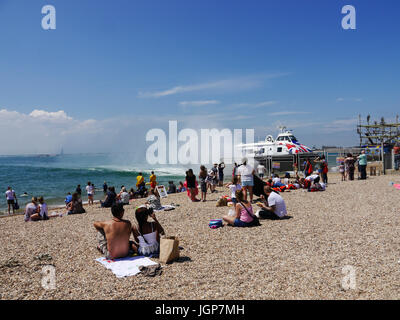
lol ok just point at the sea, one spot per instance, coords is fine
(53, 176)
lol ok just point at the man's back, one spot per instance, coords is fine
(117, 234)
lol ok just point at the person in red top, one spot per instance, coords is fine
(396, 151)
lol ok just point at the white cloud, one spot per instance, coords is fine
(198, 103)
(44, 115)
(235, 84)
(256, 105)
(287, 113)
(349, 99)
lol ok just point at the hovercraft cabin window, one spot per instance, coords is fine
(279, 149)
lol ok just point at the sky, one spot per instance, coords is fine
(113, 70)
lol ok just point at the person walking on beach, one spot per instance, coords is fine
(323, 168)
(362, 163)
(221, 168)
(191, 185)
(90, 192)
(246, 173)
(153, 180)
(113, 235)
(203, 182)
(11, 199)
(350, 161)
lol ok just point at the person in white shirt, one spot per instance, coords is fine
(43, 211)
(261, 170)
(276, 179)
(124, 196)
(90, 192)
(246, 173)
(235, 185)
(11, 198)
(274, 208)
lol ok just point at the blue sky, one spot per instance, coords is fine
(114, 69)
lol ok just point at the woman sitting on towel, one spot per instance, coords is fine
(244, 216)
(75, 206)
(147, 234)
(153, 200)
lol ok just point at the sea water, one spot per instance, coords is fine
(53, 176)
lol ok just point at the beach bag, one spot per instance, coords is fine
(169, 249)
(215, 223)
(16, 205)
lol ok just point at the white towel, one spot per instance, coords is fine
(126, 267)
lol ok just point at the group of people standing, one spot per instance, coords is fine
(348, 166)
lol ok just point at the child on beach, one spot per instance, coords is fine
(113, 235)
(233, 187)
(342, 171)
(181, 187)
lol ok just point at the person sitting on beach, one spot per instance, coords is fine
(147, 234)
(153, 200)
(181, 187)
(11, 199)
(75, 206)
(123, 196)
(203, 182)
(132, 194)
(273, 208)
(43, 210)
(244, 216)
(68, 199)
(192, 185)
(110, 199)
(113, 235)
(31, 211)
(233, 187)
(171, 187)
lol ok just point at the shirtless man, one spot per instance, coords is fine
(113, 235)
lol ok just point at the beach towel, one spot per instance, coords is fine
(126, 267)
(397, 186)
(165, 208)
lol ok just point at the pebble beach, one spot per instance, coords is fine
(353, 223)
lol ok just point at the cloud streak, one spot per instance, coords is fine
(198, 103)
(239, 83)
